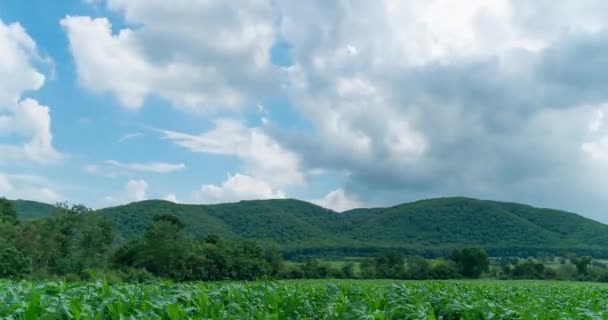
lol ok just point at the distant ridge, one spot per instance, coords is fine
(32, 209)
(429, 227)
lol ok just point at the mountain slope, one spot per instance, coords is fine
(32, 209)
(429, 227)
(281, 222)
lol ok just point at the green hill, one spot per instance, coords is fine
(430, 227)
(32, 209)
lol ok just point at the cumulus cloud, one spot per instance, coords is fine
(22, 117)
(498, 99)
(217, 56)
(339, 201)
(264, 158)
(171, 197)
(237, 187)
(134, 190)
(29, 187)
(489, 99)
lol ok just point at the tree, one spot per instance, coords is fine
(248, 261)
(313, 268)
(528, 269)
(417, 268)
(13, 263)
(274, 257)
(8, 214)
(368, 268)
(165, 248)
(444, 269)
(172, 219)
(69, 241)
(471, 262)
(582, 264)
(348, 270)
(389, 265)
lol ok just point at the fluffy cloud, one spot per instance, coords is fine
(339, 201)
(171, 197)
(435, 98)
(30, 187)
(498, 99)
(218, 55)
(265, 159)
(235, 188)
(20, 117)
(134, 190)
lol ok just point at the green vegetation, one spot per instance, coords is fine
(430, 228)
(32, 209)
(309, 299)
(75, 244)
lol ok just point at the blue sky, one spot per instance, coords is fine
(346, 104)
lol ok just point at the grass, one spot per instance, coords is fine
(305, 299)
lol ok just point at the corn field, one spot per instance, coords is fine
(307, 299)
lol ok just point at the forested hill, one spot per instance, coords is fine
(32, 209)
(430, 227)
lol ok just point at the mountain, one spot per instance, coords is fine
(32, 209)
(430, 227)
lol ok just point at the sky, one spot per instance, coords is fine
(342, 103)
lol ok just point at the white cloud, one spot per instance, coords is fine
(5, 185)
(264, 157)
(131, 136)
(183, 62)
(235, 188)
(597, 122)
(339, 201)
(156, 167)
(171, 197)
(134, 190)
(487, 99)
(22, 117)
(28, 187)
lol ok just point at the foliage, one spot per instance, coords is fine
(389, 265)
(28, 210)
(431, 228)
(13, 263)
(8, 214)
(321, 299)
(68, 242)
(471, 262)
(582, 264)
(529, 269)
(444, 269)
(167, 250)
(417, 268)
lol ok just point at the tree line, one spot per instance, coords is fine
(76, 243)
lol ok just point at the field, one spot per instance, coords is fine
(307, 299)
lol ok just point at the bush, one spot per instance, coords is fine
(530, 269)
(471, 262)
(443, 270)
(417, 268)
(348, 270)
(13, 263)
(566, 271)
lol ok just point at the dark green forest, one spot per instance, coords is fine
(431, 228)
(151, 239)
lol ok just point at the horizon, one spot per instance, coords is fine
(364, 104)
